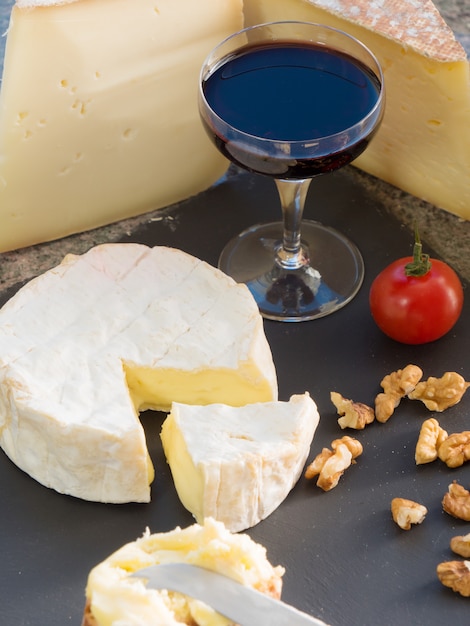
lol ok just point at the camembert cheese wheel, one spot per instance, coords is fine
(238, 464)
(115, 598)
(104, 335)
(423, 145)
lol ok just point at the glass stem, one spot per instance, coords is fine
(291, 255)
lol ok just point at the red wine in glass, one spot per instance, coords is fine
(252, 91)
(292, 101)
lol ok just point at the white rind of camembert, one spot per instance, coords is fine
(238, 464)
(98, 112)
(104, 335)
(423, 144)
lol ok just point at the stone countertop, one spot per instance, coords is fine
(447, 234)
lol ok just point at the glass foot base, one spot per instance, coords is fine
(329, 282)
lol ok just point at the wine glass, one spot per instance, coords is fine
(292, 100)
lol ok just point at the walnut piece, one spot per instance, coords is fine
(352, 414)
(385, 405)
(439, 394)
(403, 381)
(334, 468)
(395, 386)
(456, 502)
(431, 437)
(354, 446)
(330, 465)
(456, 575)
(455, 450)
(461, 545)
(318, 462)
(407, 512)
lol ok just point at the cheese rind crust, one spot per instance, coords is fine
(413, 23)
(238, 464)
(124, 327)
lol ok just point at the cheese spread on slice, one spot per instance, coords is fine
(238, 464)
(104, 335)
(115, 598)
(98, 111)
(423, 145)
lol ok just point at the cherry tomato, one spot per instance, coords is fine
(416, 299)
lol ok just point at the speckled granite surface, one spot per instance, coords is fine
(448, 235)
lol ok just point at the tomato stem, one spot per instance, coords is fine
(421, 264)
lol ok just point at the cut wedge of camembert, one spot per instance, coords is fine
(423, 145)
(113, 597)
(237, 464)
(104, 335)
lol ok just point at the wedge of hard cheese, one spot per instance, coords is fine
(113, 597)
(124, 327)
(423, 146)
(238, 464)
(98, 111)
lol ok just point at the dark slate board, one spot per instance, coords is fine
(346, 561)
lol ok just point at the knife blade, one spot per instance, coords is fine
(244, 605)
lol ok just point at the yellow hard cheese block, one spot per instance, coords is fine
(104, 335)
(423, 146)
(238, 464)
(98, 111)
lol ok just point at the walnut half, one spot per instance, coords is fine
(402, 381)
(456, 501)
(395, 386)
(461, 545)
(431, 437)
(456, 575)
(330, 465)
(385, 405)
(407, 512)
(438, 394)
(455, 450)
(352, 414)
(354, 446)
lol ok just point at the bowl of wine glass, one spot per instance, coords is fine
(292, 101)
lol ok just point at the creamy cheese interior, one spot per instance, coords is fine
(114, 598)
(157, 388)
